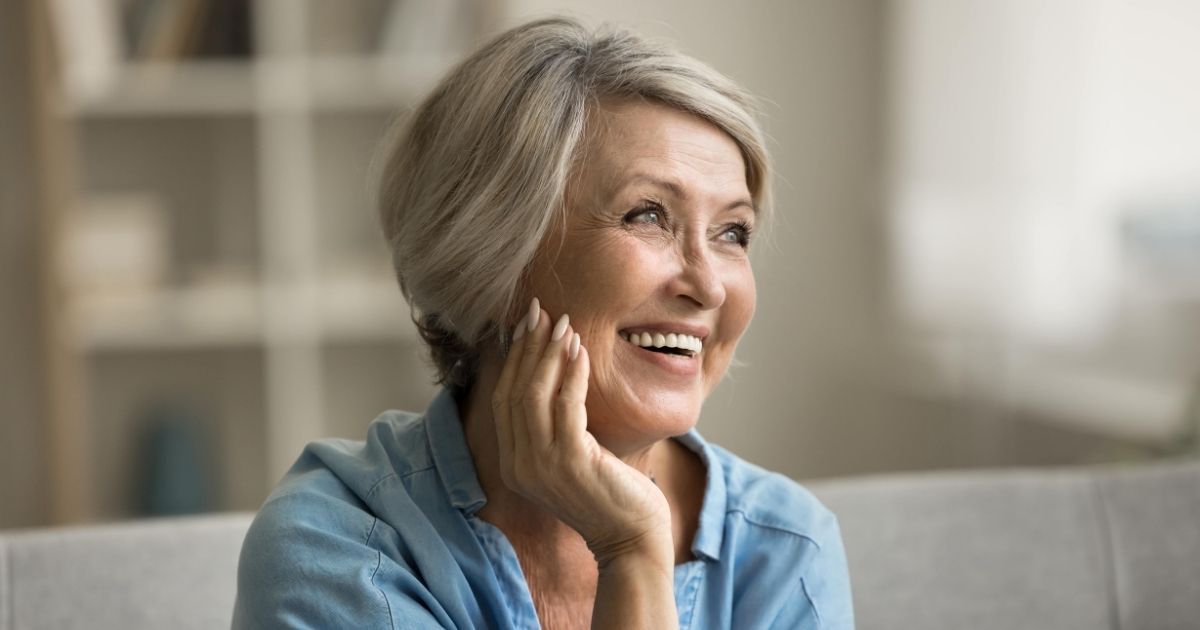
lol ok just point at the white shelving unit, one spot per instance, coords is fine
(279, 312)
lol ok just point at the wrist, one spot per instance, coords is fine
(650, 550)
(635, 588)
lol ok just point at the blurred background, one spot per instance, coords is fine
(987, 252)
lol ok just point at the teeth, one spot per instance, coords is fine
(659, 340)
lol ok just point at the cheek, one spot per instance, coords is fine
(736, 313)
(598, 282)
(611, 278)
(741, 298)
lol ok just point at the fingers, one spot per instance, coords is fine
(502, 397)
(501, 411)
(527, 400)
(544, 384)
(532, 343)
(570, 409)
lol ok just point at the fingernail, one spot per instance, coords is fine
(535, 312)
(560, 328)
(519, 332)
(574, 351)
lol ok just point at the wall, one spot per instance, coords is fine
(22, 480)
(1026, 169)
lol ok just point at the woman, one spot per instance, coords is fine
(570, 215)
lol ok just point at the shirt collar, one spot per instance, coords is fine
(710, 534)
(448, 443)
(451, 455)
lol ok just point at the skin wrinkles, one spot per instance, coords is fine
(609, 268)
(606, 273)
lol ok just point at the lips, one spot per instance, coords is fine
(670, 344)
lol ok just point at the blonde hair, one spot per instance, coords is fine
(473, 180)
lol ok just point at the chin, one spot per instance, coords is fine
(643, 419)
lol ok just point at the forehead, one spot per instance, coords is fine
(632, 143)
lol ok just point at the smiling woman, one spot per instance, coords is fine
(654, 244)
(570, 215)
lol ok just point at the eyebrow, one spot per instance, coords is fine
(678, 191)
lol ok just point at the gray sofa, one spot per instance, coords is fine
(1091, 548)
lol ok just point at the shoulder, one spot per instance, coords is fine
(771, 501)
(339, 474)
(332, 483)
(786, 548)
(314, 548)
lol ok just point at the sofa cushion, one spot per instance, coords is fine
(1072, 548)
(168, 573)
(5, 587)
(977, 550)
(1153, 517)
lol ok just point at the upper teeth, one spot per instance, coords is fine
(659, 340)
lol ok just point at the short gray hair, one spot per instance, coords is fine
(472, 181)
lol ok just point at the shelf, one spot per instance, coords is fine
(172, 89)
(169, 319)
(381, 82)
(232, 315)
(364, 309)
(244, 88)
(266, 291)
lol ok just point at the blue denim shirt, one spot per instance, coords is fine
(385, 534)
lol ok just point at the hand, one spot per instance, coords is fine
(548, 456)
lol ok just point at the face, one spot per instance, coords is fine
(655, 243)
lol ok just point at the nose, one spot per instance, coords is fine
(698, 279)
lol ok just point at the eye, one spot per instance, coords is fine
(738, 233)
(650, 212)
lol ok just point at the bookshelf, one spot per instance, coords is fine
(223, 259)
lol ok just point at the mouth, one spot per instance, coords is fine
(679, 344)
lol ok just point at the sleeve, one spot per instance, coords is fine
(315, 568)
(821, 596)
